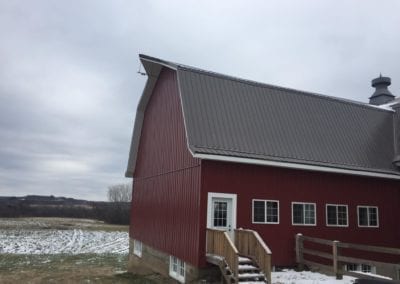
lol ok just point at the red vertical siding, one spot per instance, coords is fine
(163, 146)
(288, 185)
(165, 206)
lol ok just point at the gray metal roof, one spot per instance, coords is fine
(230, 117)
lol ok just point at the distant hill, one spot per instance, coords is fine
(42, 199)
(52, 206)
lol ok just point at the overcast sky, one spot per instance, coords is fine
(69, 87)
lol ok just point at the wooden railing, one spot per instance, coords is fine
(250, 244)
(338, 259)
(219, 243)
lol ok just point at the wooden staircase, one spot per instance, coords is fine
(249, 272)
(249, 261)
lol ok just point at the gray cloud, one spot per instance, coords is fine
(69, 88)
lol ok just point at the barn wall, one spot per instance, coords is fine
(287, 185)
(165, 206)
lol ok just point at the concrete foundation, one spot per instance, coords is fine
(153, 260)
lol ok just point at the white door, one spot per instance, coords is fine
(222, 212)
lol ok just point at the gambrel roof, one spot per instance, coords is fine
(232, 119)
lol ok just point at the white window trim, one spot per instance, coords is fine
(137, 250)
(377, 216)
(212, 195)
(315, 214)
(265, 202)
(177, 275)
(336, 205)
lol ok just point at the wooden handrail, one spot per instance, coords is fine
(219, 243)
(250, 244)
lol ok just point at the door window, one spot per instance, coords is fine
(220, 213)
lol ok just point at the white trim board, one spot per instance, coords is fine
(293, 166)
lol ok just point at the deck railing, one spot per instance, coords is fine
(337, 257)
(250, 244)
(219, 243)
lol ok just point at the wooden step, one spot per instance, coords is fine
(247, 267)
(244, 260)
(251, 275)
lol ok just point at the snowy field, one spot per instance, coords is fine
(38, 236)
(62, 241)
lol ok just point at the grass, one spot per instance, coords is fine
(82, 268)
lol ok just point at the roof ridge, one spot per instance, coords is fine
(271, 86)
(176, 66)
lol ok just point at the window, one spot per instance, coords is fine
(265, 211)
(367, 216)
(177, 269)
(336, 215)
(303, 213)
(365, 268)
(137, 248)
(220, 213)
(351, 267)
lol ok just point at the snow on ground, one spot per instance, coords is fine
(288, 276)
(50, 241)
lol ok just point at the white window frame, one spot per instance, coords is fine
(177, 275)
(137, 248)
(315, 213)
(337, 217)
(377, 216)
(265, 213)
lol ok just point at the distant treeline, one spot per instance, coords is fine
(50, 206)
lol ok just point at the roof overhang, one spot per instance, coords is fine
(298, 166)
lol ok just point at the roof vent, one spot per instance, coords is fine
(381, 95)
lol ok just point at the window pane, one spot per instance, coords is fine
(332, 215)
(174, 264)
(182, 268)
(362, 216)
(342, 215)
(259, 211)
(298, 214)
(309, 214)
(373, 216)
(220, 214)
(351, 267)
(272, 211)
(365, 268)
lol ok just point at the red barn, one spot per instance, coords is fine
(214, 151)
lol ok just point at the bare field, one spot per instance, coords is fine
(65, 250)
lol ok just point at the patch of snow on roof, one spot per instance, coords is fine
(389, 105)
